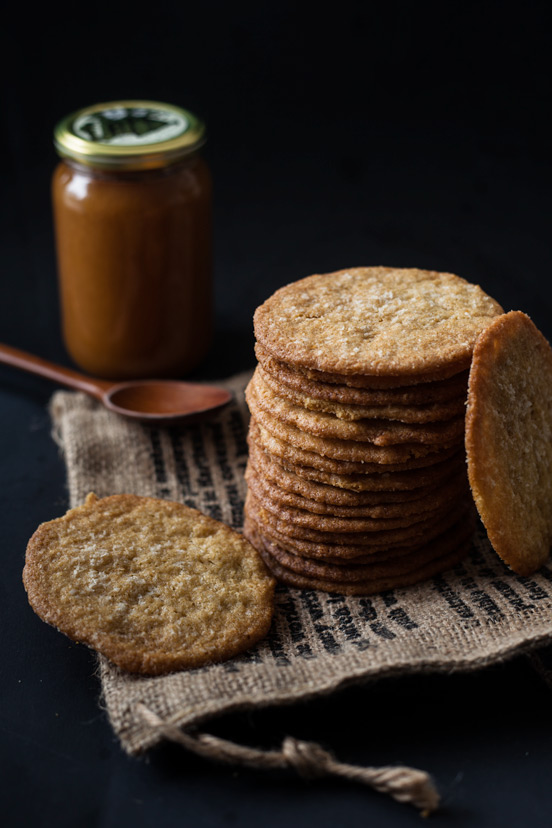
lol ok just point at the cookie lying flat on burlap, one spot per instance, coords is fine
(509, 439)
(153, 585)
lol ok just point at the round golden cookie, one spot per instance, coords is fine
(419, 414)
(318, 528)
(295, 456)
(331, 497)
(327, 426)
(153, 585)
(509, 439)
(264, 489)
(370, 586)
(350, 572)
(383, 543)
(384, 382)
(337, 449)
(377, 534)
(379, 555)
(422, 394)
(376, 322)
(414, 479)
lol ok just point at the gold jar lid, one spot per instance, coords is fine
(129, 135)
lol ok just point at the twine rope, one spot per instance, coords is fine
(404, 784)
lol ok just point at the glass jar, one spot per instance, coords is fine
(132, 216)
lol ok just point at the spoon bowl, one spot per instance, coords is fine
(164, 401)
(157, 402)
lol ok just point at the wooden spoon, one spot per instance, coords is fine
(158, 402)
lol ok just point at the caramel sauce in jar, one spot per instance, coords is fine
(132, 215)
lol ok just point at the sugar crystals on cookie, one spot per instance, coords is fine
(358, 400)
(153, 585)
(509, 439)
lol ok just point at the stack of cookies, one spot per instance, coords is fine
(356, 475)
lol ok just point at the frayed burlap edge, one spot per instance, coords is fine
(474, 616)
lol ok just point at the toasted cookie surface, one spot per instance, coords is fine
(367, 586)
(153, 585)
(509, 439)
(285, 478)
(374, 568)
(350, 543)
(378, 431)
(303, 458)
(352, 451)
(282, 497)
(422, 393)
(433, 412)
(380, 549)
(375, 321)
(357, 427)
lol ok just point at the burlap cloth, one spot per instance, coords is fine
(475, 615)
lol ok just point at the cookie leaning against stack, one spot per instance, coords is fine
(356, 474)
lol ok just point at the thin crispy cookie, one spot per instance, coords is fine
(376, 321)
(380, 546)
(509, 439)
(431, 413)
(297, 457)
(331, 496)
(351, 572)
(352, 451)
(423, 393)
(153, 585)
(369, 586)
(377, 431)
(263, 487)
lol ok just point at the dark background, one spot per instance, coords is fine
(403, 134)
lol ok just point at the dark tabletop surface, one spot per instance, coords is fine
(402, 134)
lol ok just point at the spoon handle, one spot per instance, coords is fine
(57, 373)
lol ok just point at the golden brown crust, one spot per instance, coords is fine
(509, 439)
(382, 543)
(431, 413)
(369, 586)
(357, 426)
(375, 432)
(316, 514)
(347, 572)
(153, 585)
(384, 382)
(423, 393)
(376, 322)
(286, 479)
(379, 533)
(350, 451)
(375, 478)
